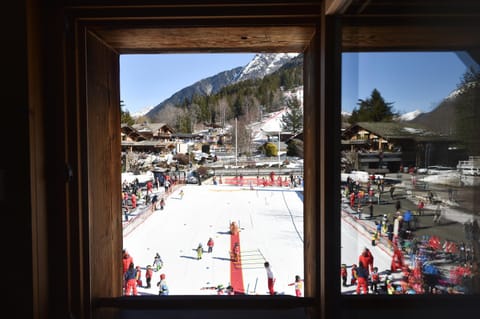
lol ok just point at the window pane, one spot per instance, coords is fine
(217, 175)
(410, 173)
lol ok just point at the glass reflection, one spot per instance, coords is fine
(410, 174)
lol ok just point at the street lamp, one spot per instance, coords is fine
(278, 151)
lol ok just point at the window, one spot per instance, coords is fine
(414, 205)
(98, 84)
(92, 66)
(261, 194)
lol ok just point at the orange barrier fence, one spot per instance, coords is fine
(248, 181)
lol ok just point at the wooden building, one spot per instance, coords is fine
(395, 144)
(59, 190)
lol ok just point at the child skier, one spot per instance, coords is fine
(270, 278)
(375, 280)
(162, 203)
(362, 278)
(199, 251)
(157, 262)
(138, 277)
(162, 286)
(236, 252)
(131, 281)
(298, 285)
(210, 244)
(343, 274)
(148, 276)
(354, 274)
(374, 238)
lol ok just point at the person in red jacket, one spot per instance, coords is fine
(366, 260)
(375, 280)
(149, 187)
(138, 276)
(148, 276)
(127, 260)
(362, 279)
(353, 279)
(210, 244)
(134, 201)
(343, 274)
(130, 278)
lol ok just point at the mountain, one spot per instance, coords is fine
(409, 116)
(264, 64)
(142, 112)
(260, 66)
(207, 86)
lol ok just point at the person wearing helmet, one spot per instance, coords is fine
(162, 286)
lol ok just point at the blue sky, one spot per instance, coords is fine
(412, 81)
(148, 79)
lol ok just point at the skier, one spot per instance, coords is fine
(162, 203)
(199, 251)
(131, 280)
(162, 286)
(362, 278)
(354, 273)
(148, 276)
(374, 238)
(392, 190)
(270, 278)
(298, 285)
(181, 194)
(421, 206)
(236, 252)
(127, 260)
(138, 277)
(384, 223)
(343, 274)
(375, 280)
(366, 260)
(154, 202)
(230, 291)
(157, 262)
(210, 244)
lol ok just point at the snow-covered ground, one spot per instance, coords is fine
(271, 223)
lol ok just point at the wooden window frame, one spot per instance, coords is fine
(94, 236)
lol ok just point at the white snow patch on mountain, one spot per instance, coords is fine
(264, 64)
(142, 112)
(409, 115)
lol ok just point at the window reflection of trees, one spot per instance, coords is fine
(440, 242)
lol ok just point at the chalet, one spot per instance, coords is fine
(155, 131)
(389, 145)
(147, 137)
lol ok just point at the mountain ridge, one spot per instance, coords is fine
(260, 66)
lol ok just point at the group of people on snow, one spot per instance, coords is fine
(132, 275)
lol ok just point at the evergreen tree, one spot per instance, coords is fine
(373, 109)
(467, 112)
(125, 117)
(295, 148)
(293, 119)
